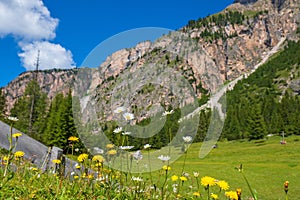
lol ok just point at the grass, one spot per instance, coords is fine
(266, 163)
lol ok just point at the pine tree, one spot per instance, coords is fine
(256, 123)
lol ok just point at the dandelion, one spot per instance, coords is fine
(168, 113)
(196, 194)
(19, 154)
(90, 176)
(128, 116)
(73, 139)
(174, 178)
(82, 157)
(119, 110)
(98, 158)
(223, 185)
(166, 168)
(147, 146)
(16, 135)
(56, 161)
(34, 169)
(208, 181)
(196, 174)
(183, 178)
(112, 152)
(164, 158)
(13, 119)
(187, 139)
(118, 130)
(214, 196)
(76, 177)
(110, 146)
(126, 133)
(77, 166)
(231, 195)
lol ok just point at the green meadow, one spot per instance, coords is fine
(266, 164)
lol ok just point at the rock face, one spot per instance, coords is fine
(206, 53)
(50, 81)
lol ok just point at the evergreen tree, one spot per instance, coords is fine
(256, 123)
(31, 110)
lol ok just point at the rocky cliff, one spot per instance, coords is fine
(207, 52)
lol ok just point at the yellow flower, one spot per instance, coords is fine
(98, 165)
(239, 192)
(34, 169)
(232, 195)
(82, 157)
(5, 158)
(98, 158)
(73, 139)
(19, 154)
(76, 177)
(174, 178)
(56, 161)
(110, 146)
(223, 185)
(196, 194)
(77, 166)
(90, 176)
(183, 178)
(208, 181)
(214, 196)
(166, 168)
(112, 152)
(16, 135)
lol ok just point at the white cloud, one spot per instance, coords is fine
(26, 20)
(31, 24)
(51, 56)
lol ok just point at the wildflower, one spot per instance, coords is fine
(174, 178)
(82, 157)
(98, 150)
(77, 166)
(138, 155)
(73, 139)
(128, 116)
(110, 146)
(76, 177)
(187, 139)
(139, 179)
(72, 173)
(196, 174)
(196, 194)
(214, 196)
(207, 181)
(164, 158)
(183, 178)
(13, 119)
(16, 135)
(166, 168)
(19, 154)
(168, 113)
(286, 186)
(223, 185)
(147, 146)
(239, 192)
(34, 169)
(98, 158)
(90, 176)
(126, 147)
(119, 110)
(118, 130)
(126, 133)
(231, 195)
(76, 149)
(56, 161)
(112, 152)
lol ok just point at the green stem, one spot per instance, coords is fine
(249, 186)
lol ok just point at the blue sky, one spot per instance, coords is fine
(67, 31)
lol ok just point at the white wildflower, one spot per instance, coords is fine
(126, 133)
(187, 139)
(118, 130)
(126, 147)
(168, 113)
(119, 110)
(164, 158)
(128, 116)
(147, 146)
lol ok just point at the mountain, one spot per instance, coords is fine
(207, 52)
